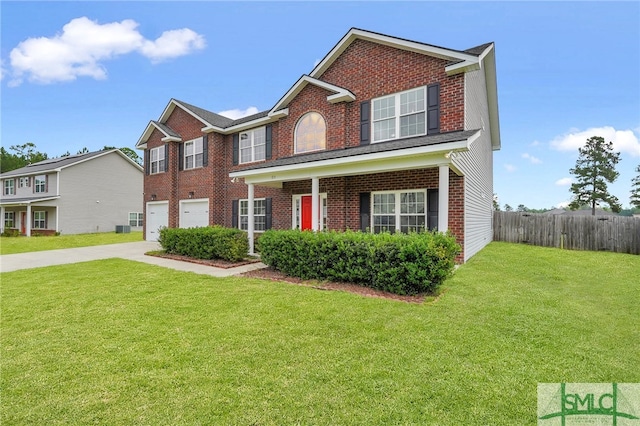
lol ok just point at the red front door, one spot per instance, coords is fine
(306, 212)
(23, 222)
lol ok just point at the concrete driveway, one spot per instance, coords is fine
(130, 251)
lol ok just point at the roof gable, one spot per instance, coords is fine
(340, 94)
(56, 164)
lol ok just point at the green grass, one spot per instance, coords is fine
(116, 342)
(11, 245)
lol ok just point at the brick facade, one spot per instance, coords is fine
(368, 70)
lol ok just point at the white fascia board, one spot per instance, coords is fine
(489, 65)
(340, 95)
(171, 139)
(464, 66)
(408, 45)
(272, 117)
(378, 162)
(142, 142)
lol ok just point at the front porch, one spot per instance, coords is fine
(29, 216)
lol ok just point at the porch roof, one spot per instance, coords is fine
(26, 200)
(402, 154)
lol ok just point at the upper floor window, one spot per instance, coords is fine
(193, 154)
(311, 133)
(9, 187)
(157, 159)
(40, 184)
(25, 181)
(400, 115)
(252, 145)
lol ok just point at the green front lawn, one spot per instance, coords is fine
(11, 245)
(117, 342)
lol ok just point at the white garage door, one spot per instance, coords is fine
(157, 217)
(194, 213)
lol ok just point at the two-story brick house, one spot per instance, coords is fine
(383, 134)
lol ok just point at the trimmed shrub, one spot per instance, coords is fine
(209, 242)
(398, 263)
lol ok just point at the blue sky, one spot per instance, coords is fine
(90, 74)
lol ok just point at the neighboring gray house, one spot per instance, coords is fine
(78, 194)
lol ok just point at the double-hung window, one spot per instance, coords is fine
(25, 181)
(39, 220)
(400, 115)
(40, 184)
(135, 219)
(193, 154)
(9, 187)
(259, 214)
(253, 145)
(157, 159)
(403, 211)
(9, 219)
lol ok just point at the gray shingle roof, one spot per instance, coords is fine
(367, 149)
(168, 130)
(52, 164)
(208, 116)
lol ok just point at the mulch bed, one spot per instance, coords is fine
(273, 275)
(218, 263)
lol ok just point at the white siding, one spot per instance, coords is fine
(477, 167)
(98, 194)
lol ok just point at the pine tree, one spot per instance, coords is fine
(595, 167)
(635, 189)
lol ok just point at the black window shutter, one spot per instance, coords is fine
(234, 213)
(433, 108)
(365, 210)
(236, 148)
(146, 161)
(267, 147)
(166, 157)
(180, 156)
(268, 217)
(432, 209)
(365, 123)
(205, 151)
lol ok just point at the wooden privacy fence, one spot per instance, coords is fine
(609, 233)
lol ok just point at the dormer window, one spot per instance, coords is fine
(311, 133)
(400, 115)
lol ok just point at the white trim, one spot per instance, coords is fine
(398, 115)
(403, 159)
(297, 218)
(252, 147)
(194, 155)
(340, 94)
(181, 204)
(142, 141)
(412, 46)
(295, 134)
(398, 207)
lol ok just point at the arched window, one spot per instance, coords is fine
(311, 133)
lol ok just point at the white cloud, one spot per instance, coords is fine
(83, 45)
(239, 113)
(623, 140)
(534, 160)
(316, 62)
(510, 168)
(172, 44)
(564, 181)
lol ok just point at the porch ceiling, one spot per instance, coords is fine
(410, 154)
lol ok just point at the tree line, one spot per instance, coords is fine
(595, 169)
(18, 156)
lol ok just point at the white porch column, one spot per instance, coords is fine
(2, 219)
(443, 199)
(251, 223)
(315, 204)
(28, 219)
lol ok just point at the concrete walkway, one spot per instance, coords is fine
(130, 251)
